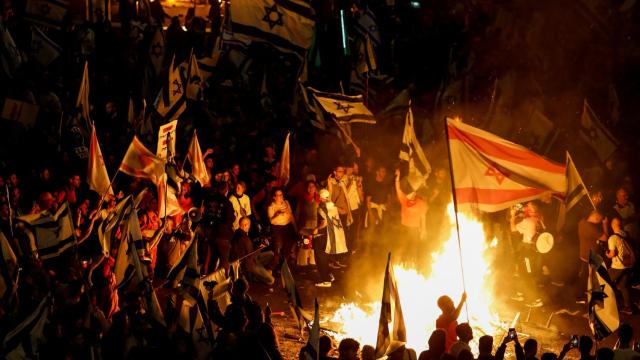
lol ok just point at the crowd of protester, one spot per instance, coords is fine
(333, 209)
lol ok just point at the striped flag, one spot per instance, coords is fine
(366, 26)
(221, 289)
(97, 176)
(43, 49)
(194, 154)
(83, 94)
(285, 166)
(50, 13)
(157, 50)
(10, 56)
(110, 226)
(576, 189)
(142, 163)
(491, 173)
(301, 316)
(287, 25)
(344, 108)
(186, 271)
(411, 152)
(25, 340)
(207, 64)
(50, 235)
(366, 57)
(312, 107)
(390, 313)
(601, 297)
(140, 276)
(194, 79)
(595, 134)
(171, 101)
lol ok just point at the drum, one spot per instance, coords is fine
(544, 243)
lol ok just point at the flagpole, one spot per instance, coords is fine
(455, 210)
(60, 132)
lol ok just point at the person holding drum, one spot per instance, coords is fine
(529, 224)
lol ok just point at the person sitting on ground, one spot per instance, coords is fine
(625, 351)
(253, 264)
(485, 346)
(465, 334)
(448, 320)
(348, 349)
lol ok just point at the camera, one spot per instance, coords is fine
(511, 335)
(574, 341)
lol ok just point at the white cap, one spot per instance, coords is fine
(324, 194)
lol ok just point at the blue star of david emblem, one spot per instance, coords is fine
(342, 107)
(269, 16)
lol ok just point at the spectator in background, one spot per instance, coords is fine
(348, 349)
(437, 346)
(622, 261)
(626, 211)
(254, 265)
(465, 335)
(624, 350)
(485, 347)
(283, 233)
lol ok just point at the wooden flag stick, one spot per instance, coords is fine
(455, 210)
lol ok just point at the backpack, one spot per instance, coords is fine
(627, 255)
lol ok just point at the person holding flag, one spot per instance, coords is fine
(329, 237)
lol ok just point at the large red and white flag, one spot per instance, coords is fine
(142, 163)
(97, 176)
(491, 173)
(198, 168)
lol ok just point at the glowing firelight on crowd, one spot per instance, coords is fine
(419, 291)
